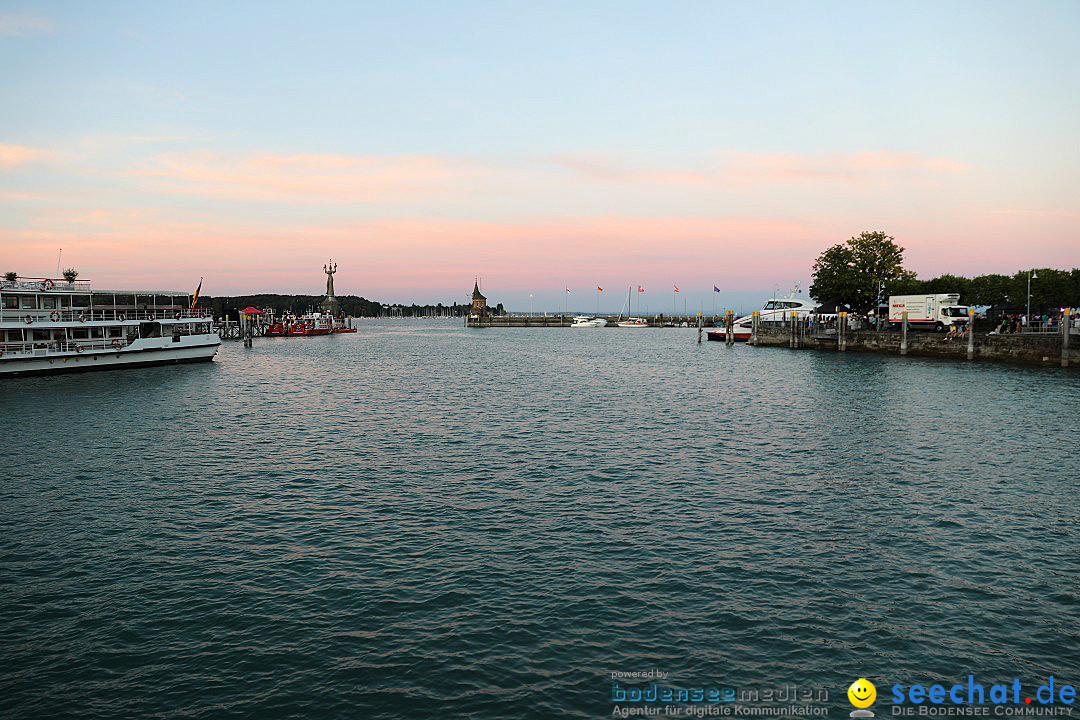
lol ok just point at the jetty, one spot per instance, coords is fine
(524, 321)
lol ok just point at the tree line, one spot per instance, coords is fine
(228, 306)
(864, 271)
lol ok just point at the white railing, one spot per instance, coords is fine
(46, 285)
(29, 317)
(63, 347)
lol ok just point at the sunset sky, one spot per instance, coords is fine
(538, 145)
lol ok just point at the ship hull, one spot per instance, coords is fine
(104, 360)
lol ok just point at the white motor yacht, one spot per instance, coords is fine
(584, 321)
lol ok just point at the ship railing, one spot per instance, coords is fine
(44, 348)
(46, 284)
(31, 316)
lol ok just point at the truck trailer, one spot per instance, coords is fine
(936, 312)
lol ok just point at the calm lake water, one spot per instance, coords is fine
(423, 521)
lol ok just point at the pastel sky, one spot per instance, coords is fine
(538, 145)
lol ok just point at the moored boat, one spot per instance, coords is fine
(307, 325)
(50, 325)
(585, 321)
(774, 313)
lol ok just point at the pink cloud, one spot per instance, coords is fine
(852, 167)
(306, 178)
(15, 155)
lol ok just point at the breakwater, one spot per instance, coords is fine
(521, 321)
(1031, 348)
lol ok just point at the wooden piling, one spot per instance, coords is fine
(1065, 321)
(903, 335)
(841, 331)
(729, 327)
(700, 328)
(754, 327)
(971, 334)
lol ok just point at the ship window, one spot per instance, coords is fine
(11, 302)
(48, 303)
(770, 306)
(27, 302)
(116, 332)
(80, 333)
(41, 335)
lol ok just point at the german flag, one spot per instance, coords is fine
(195, 297)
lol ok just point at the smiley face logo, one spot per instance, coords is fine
(862, 693)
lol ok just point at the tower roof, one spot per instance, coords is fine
(476, 292)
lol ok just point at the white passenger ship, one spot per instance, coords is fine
(51, 326)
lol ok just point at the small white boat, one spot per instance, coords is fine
(630, 322)
(584, 321)
(774, 313)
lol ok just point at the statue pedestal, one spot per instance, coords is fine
(330, 305)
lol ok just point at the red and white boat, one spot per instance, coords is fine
(306, 325)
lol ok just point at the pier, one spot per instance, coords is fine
(523, 321)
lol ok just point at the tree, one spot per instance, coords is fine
(860, 273)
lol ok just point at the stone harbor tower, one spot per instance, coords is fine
(479, 302)
(330, 303)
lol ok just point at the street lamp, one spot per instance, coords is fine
(1031, 276)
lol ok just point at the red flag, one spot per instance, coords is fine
(640, 289)
(676, 288)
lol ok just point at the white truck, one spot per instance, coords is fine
(935, 312)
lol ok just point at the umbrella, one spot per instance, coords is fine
(252, 311)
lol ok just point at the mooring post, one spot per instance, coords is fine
(754, 327)
(841, 331)
(729, 328)
(792, 340)
(903, 334)
(700, 324)
(1065, 321)
(971, 334)
(247, 329)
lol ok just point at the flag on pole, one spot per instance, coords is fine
(195, 297)
(599, 289)
(676, 288)
(640, 289)
(715, 289)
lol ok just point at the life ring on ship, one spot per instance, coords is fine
(28, 320)
(47, 285)
(121, 317)
(82, 317)
(150, 316)
(117, 344)
(78, 348)
(177, 315)
(54, 316)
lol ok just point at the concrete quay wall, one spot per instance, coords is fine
(1032, 348)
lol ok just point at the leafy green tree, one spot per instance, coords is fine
(990, 289)
(862, 272)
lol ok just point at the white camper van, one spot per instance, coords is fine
(936, 312)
